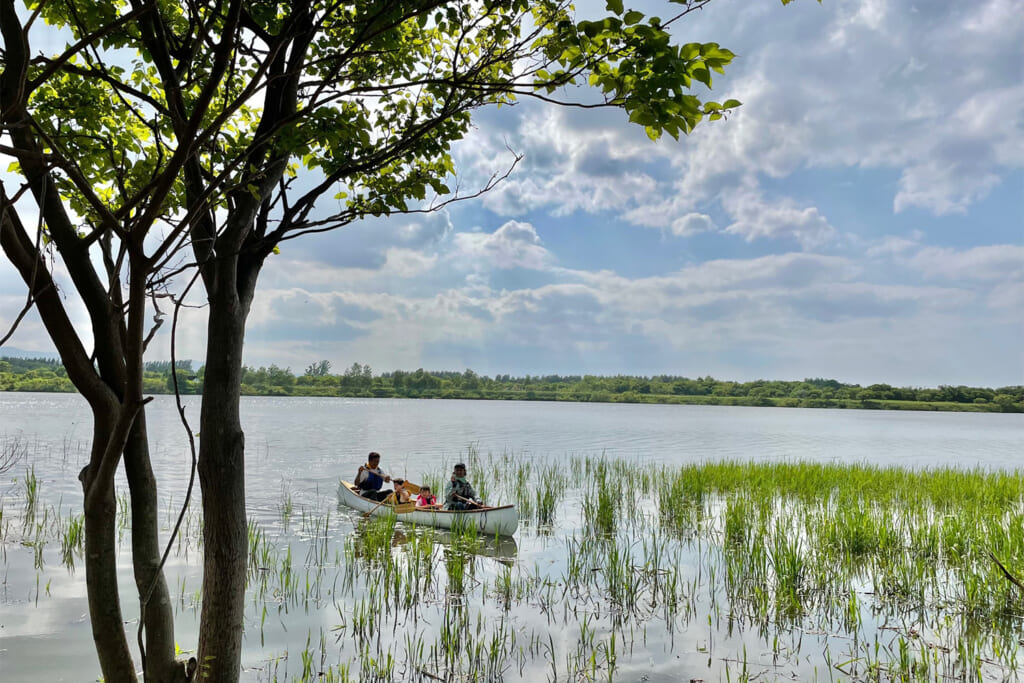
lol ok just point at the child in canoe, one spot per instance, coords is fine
(399, 495)
(426, 498)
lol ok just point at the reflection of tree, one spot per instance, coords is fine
(12, 450)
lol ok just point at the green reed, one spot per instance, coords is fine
(72, 540)
(868, 573)
(30, 488)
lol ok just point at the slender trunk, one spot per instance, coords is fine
(161, 665)
(108, 631)
(222, 478)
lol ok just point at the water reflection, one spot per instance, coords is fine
(501, 548)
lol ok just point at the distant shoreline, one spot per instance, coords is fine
(358, 381)
(647, 399)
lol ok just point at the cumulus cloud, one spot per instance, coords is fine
(873, 88)
(407, 263)
(513, 245)
(776, 314)
(756, 218)
(564, 168)
(692, 224)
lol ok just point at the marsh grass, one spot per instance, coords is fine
(714, 571)
(30, 486)
(72, 540)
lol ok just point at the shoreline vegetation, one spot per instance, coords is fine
(359, 381)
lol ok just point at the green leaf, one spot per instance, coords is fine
(689, 51)
(633, 17)
(731, 104)
(703, 75)
(615, 6)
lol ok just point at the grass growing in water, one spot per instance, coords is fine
(718, 571)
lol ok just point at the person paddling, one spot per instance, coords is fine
(371, 478)
(459, 494)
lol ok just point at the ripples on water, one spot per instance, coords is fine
(312, 441)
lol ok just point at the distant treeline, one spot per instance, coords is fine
(24, 374)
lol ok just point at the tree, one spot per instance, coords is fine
(160, 150)
(319, 369)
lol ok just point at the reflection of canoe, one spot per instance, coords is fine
(497, 521)
(498, 547)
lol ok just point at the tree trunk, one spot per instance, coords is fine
(101, 572)
(222, 479)
(161, 665)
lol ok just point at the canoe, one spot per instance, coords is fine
(496, 521)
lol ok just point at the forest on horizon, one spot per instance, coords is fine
(358, 380)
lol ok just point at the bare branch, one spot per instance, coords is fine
(339, 220)
(192, 471)
(31, 296)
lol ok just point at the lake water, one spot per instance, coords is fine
(297, 448)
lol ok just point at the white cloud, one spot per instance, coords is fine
(882, 86)
(875, 88)
(756, 218)
(564, 168)
(995, 262)
(801, 314)
(891, 245)
(869, 14)
(943, 186)
(1010, 296)
(513, 245)
(407, 263)
(692, 224)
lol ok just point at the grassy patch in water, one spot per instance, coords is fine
(621, 569)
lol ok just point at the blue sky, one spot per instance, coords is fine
(860, 217)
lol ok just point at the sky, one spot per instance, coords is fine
(860, 217)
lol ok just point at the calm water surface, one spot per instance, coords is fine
(297, 448)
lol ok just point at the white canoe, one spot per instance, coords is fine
(496, 521)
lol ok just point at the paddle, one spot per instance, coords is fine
(470, 500)
(374, 508)
(408, 486)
